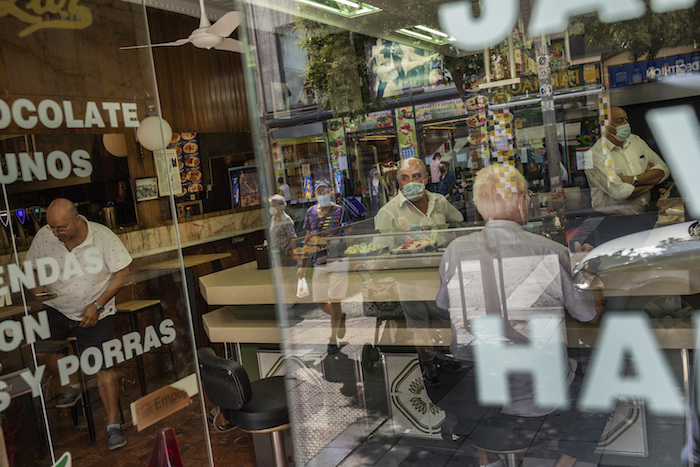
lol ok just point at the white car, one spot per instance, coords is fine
(657, 271)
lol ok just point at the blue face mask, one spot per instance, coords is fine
(528, 227)
(623, 132)
(413, 191)
(324, 200)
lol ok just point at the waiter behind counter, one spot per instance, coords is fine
(416, 210)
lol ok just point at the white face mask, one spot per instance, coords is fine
(324, 200)
(273, 210)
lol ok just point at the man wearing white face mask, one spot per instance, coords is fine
(414, 209)
(329, 283)
(636, 169)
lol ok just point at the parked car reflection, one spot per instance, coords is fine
(657, 271)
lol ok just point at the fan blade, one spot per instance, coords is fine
(226, 24)
(162, 44)
(232, 45)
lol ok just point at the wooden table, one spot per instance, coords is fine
(189, 262)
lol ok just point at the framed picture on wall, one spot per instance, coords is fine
(146, 189)
(245, 189)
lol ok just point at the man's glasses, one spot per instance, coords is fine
(61, 230)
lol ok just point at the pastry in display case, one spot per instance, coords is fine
(411, 249)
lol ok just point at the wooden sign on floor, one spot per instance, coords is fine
(167, 400)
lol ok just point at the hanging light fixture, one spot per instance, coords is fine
(115, 144)
(154, 133)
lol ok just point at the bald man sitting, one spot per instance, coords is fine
(83, 305)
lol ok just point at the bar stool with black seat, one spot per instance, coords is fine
(257, 407)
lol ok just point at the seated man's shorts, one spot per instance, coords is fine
(63, 327)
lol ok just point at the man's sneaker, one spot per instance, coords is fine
(69, 398)
(448, 363)
(429, 371)
(115, 438)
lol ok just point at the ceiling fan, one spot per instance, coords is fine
(209, 35)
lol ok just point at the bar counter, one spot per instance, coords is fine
(247, 285)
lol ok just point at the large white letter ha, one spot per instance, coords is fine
(543, 358)
(622, 336)
(496, 21)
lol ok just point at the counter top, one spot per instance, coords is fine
(231, 324)
(247, 285)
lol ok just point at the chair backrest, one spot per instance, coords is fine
(225, 381)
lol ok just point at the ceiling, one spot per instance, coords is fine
(393, 15)
(215, 8)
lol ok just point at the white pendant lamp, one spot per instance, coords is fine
(154, 133)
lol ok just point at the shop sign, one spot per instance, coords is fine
(383, 58)
(440, 110)
(371, 121)
(498, 17)
(48, 15)
(337, 149)
(562, 80)
(406, 132)
(647, 71)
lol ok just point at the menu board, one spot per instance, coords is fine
(167, 172)
(371, 121)
(440, 110)
(186, 146)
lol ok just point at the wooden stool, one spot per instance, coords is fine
(133, 307)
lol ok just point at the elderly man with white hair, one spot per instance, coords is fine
(505, 272)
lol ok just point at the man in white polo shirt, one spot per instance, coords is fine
(417, 213)
(81, 301)
(636, 168)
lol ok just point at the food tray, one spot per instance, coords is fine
(425, 249)
(378, 252)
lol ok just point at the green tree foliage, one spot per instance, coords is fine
(337, 69)
(643, 37)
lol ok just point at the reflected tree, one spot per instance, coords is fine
(644, 37)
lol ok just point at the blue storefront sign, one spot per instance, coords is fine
(653, 70)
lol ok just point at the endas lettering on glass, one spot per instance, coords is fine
(65, 15)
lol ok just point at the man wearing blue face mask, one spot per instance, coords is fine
(415, 209)
(636, 169)
(329, 282)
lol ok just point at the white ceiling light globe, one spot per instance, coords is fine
(154, 133)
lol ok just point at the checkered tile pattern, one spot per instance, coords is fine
(500, 126)
(507, 186)
(604, 116)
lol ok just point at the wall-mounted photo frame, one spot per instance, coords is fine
(146, 189)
